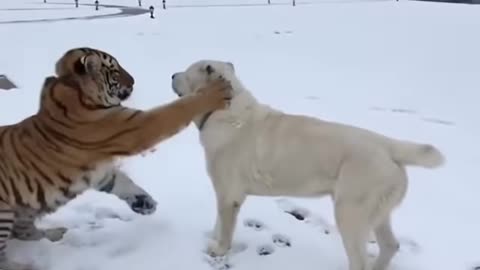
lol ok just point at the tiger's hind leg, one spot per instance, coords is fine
(121, 185)
(7, 218)
(24, 228)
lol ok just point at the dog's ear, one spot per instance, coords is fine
(230, 64)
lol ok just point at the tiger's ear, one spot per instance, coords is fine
(91, 63)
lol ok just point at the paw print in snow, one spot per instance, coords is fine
(254, 224)
(265, 250)
(297, 212)
(281, 240)
(218, 263)
(304, 215)
(409, 245)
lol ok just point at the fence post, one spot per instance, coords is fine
(294, 4)
(76, 3)
(96, 4)
(151, 12)
(139, 3)
(164, 2)
(269, 2)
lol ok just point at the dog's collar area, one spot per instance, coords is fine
(204, 120)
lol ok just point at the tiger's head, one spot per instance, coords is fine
(112, 83)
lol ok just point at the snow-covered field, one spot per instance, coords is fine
(406, 69)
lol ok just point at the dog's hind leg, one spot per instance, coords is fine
(387, 243)
(354, 228)
(390, 197)
(356, 202)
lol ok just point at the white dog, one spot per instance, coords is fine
(253, 149)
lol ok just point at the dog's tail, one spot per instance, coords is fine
(423, 155)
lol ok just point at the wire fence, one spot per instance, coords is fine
(232, 3)
(239, 3)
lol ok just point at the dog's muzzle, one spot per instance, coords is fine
(175, 89)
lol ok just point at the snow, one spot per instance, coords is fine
(406, 69)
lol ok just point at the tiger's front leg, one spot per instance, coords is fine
(24, 228)
(7, 218)
(121, 185)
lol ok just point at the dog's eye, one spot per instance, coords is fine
(209, 69)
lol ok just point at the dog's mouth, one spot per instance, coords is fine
(177, 92)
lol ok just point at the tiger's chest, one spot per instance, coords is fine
(53, 197)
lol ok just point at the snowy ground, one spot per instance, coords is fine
(406, 69)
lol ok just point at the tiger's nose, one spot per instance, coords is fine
(130, 81)
(126, 79)
(124, 95)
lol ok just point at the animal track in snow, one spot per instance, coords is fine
(299, 213)
(277, 32)
(264, 250)
(438, 121)
(394, 110)
(254, 224)
(281, 240)
(412, 112)
(277, 239)
(409, 245)
(221, 262)
(218, 263)
(303, 214)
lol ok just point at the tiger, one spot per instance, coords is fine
(74, 140)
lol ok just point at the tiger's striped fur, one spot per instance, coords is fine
(72, 142)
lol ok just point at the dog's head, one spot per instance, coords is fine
(198, 74)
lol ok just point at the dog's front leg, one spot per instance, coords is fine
(227, 212)
(216, 229)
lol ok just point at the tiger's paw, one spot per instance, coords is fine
(55, 234)
(142, 204)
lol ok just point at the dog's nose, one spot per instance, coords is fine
(173, 75)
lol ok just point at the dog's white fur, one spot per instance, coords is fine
(253, 149)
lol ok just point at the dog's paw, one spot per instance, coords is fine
(218, 263)
(214, 249)
(142, 204)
